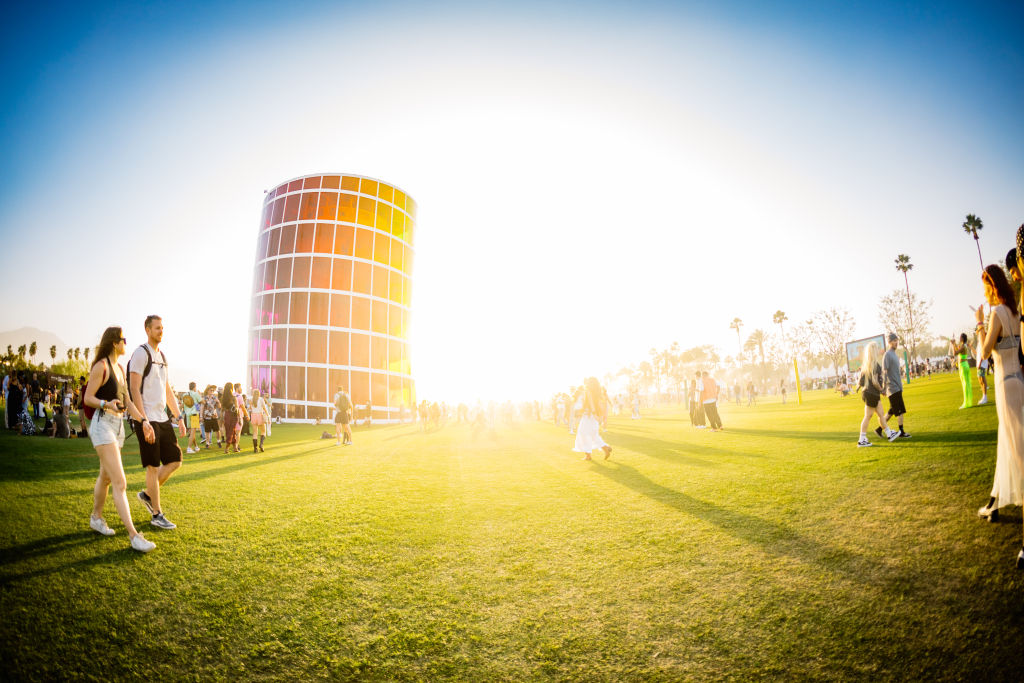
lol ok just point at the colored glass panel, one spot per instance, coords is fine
(405, 324)
(287, 240)
(257, 277)
(394, 286)
(367, 211)
(291, 208)
(383, 217)
(331, 181)
(360, 391)
(340, 305)
(261, 246)
(395, 321)
(318, 308)
(399, 199)
(380, 316)
(380, 282)
(320, 277)
(324, 242)
(295, 412)
(315, 412)
(339, 348)
(341, 275)
(278, 211)
(410, 207)
(328, 210)
(297, 312)
(279, 345)
(300, 272)
(294, 185)
(304, 238)
(385, 192)
(379, 353)
(361, 273)
(410, 226)
(379, 388)
(344, 236)
(381, 248)
(364, 244)
(281, 300)
(350, 183)
(307, 206)
(296, 346)
(337, 378)
(361, 308)
(311, 183)
(270, 275)
(284, 273)
(398, 224)
(268, 212)
(359, 350)
(394, 355)
(273, 242)
(347, 207)
(367, 186)
(316, 347)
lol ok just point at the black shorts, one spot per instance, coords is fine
(870, 399)
(163, 450)
(896, 406)
(210, 425)
(341, 417)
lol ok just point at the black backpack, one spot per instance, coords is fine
(342, 404)
(132, 423)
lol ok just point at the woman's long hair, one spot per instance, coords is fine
(227, 397)
(869, 363)
(995, 277)
(111, 336)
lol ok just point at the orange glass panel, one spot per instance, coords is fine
(381, 248)
(304, 238)
(307, 207)
(339, 348)
(287, 240)
(311, 183)
(278, 344)
(316, 346)
(340, 305)
(328, 209)
(395, 261)
(399, 200)
(360, 391)
(296, 390)
(344, 236)
(270, 275)
(347, 208)
(331, 181)
(300, 272)
(281, 300)
(395, 321)
(341, 277)
(359, 350)
(380, 282)
(383, 217)
(398, 224)
(350, 183)
(361, 273)
(291, 208)
(284, 273)
(338, 378)
(261, 246)
(367, 186)
(324, 242)
(294, 185)
(379, 353)
(367, 211)
(320, 277)
(394, 355)
(316, 390)
(278, 211)
(360, 313)
(273, 242)
(297, 346)
(380, 317)
(297, 314)
(318, 307)
(394, 287)
(379, 389)
(364, 244)
(295, 412)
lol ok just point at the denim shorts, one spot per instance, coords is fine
(106, 428)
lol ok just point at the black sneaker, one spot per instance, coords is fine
(904, 435)
(144, 499)
(878, 430)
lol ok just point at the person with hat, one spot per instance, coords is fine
(893, 386)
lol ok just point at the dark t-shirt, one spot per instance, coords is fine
(872, 389)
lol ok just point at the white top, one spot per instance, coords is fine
(154, 389)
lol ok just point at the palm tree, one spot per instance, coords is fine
(21, 351)
(78, 352)
(85, 352)
(903, 264)
(53, 353)
(70, 354)
(778, 319)
(756, 341)
(32, 348)
(971, 226)
(736, 324)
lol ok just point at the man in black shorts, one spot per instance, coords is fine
(893, 386)
(152, 393)
(342, 416)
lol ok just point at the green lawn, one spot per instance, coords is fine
(774, 550)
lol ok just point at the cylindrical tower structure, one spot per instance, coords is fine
(331, 295)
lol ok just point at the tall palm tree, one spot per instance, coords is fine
(21, 351)
(71, 353)
(85, 352)
(778, 318)
(736, 324)
(903, 264)
(756, 341)
(53, 353)
(78, 352)
(971, 226)
(32, 348)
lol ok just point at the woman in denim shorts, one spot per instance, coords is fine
(107, 392)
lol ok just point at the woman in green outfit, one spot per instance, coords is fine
(962, 351)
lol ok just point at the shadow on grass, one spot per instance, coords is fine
(258, 460)
(122, 554)
(44, 546)
(674, 451)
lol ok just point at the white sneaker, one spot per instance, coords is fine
(863, 442)
(141, 544)
(983, 401)
(99, 525)
(893, 435)
(189, 450)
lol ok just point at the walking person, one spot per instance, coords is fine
(244, 411)
(161, 456)
(342, 418)
(229, 413)
(893, 386)
(1002, 339)
(592, 411)
(709, 396)
(873, 381)
(697, 393)
(209, 411)
(260, 418)
(190, 409)
(107, 392)
(962, 352)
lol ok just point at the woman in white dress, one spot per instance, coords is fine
(1002, 339)
(594, 409)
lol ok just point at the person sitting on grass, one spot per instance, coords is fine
(872, 380)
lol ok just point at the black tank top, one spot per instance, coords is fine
(112, 389)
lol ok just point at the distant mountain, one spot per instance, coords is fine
(43, 339)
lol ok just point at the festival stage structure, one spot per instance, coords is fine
(331, 294)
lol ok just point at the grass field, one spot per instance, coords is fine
(774, 550)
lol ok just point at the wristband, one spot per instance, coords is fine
(103, 404)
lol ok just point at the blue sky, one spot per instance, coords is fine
(785, 144)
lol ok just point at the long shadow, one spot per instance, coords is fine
(676, 451)
(978, 437)
(121, 555)
(187, 475)
(44, 546)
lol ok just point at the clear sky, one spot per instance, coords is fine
(593, 180)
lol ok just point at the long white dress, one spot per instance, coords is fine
(1008, 487)
(588, 437)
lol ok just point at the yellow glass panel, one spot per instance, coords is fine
(350, 183)
(360, 379)
(367, 211)
(369, 187)
(397, 249)
(381, 248)
(383, 217)
(379, 354)
(398, 224)
(399, 200)
(385, 192)
(410, 224)
(394, 286)
(380, 318)
(395, 321)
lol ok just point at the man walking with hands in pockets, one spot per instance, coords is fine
(147, 381)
